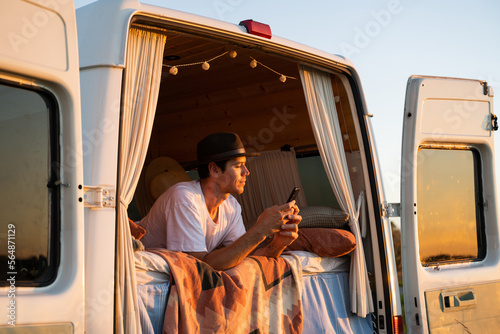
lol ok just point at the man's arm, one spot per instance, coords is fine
(287, 235)
(229, 256)
(280, 240)
(273, 221)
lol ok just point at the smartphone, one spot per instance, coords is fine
(293, 194)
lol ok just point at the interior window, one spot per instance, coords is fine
(449, 206)
(28, 199)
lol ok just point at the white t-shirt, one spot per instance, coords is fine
(179, 220)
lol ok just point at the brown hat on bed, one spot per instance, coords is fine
(221, 146)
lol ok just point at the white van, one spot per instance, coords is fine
(90, 101)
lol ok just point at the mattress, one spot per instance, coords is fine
(325, 293)
(326, 305)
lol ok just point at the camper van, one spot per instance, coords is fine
(100, 112)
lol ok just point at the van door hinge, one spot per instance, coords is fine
(390, 209)
(487, 90)
(494, 122)
(97, 197)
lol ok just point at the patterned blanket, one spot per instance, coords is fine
(260, 295)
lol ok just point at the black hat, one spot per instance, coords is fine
(221, 146)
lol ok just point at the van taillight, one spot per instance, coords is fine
(257, 28)
(397, 322)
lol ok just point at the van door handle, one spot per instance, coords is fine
(457, 300)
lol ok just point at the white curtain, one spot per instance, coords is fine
(143, 67)
(323, 114)
(272, 177)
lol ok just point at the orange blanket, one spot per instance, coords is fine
(260, 295)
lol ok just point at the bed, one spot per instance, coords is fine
(320, 284)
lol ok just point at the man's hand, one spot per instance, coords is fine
(271, 220)
(282, 223)
(288, 233)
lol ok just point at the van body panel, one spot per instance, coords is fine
(103, 26)
(449, 216)
(109, 33)
(383, 247)
(474, 307)
(27, 65)
(100, 122)
(445, 120)
(30, 26)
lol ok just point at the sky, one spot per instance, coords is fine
(388, 41)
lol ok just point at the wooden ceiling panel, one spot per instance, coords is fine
(252, 102)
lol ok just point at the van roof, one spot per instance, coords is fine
(101, 25)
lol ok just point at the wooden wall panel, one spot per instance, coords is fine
(252, 102)
(265, 122)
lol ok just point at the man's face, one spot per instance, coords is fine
(234, 177)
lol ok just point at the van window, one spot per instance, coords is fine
(449, 206)
(28, 202)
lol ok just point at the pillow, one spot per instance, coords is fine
(136, 230)
(326, 242)
(323, 216)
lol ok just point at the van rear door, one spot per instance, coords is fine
(41, 200)
(449, 215)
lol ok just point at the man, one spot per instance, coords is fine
(199, 217)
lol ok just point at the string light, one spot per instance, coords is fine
(233, 54)
(205, 65)
(282, 77)
(174, 69)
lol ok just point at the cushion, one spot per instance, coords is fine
(326, 242)
(323, 216)
(136, 230)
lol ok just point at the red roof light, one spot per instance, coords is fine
(257, 28)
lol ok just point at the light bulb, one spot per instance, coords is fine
(173, 70)
(253, 63)
(205, 66)
(232, 54)
(282, 78)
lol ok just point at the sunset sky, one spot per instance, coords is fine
(387, 41)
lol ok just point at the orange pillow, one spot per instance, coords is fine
(136, 230)
(326, 242)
